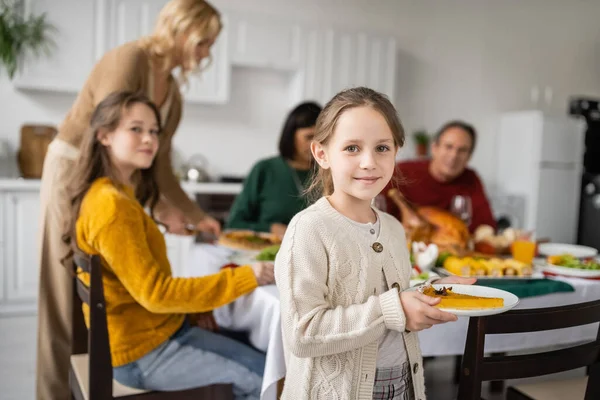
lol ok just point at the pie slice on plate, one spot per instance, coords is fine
(470, 300)
(459, 301)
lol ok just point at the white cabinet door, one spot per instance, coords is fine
(334, 60)
(74, 53)
(211, 84)
(21, 224)
(127, 20)
(263, 43)
(3, 248)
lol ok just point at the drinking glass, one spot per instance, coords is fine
(461, 207)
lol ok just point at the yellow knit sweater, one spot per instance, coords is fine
(145, 304)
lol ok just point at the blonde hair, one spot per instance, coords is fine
(322, 182)
(196, 17)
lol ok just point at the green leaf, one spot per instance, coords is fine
(21, 37)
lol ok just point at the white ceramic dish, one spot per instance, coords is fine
(571, 272)
(510, 300)
(554, 249)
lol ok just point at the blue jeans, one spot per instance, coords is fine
(194, 357)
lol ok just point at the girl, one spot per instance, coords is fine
(349, 328)
(152, 345)
(185, 31)
(273, 191)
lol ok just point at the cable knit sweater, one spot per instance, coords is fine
(328, 277)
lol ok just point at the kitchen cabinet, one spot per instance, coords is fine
(113, 23)
(320, 60)
(74, 53)
(19, 268)
(262, 43)
(333, 60)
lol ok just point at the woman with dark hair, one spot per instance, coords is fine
(273, 192)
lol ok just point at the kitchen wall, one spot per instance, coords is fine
(470, 59)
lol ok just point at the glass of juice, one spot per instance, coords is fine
(523, 249)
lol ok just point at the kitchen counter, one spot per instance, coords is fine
(20, 184)
(191, 188)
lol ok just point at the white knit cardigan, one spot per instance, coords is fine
(332, 312)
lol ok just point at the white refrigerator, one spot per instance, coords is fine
(540, 158)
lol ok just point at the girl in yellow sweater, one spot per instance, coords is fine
(152, 344)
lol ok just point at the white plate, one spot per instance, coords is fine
(510, 300)
(414, 282)
(554, 249)
(574, 272)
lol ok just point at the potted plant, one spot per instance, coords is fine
(21, 35)
(421, 138)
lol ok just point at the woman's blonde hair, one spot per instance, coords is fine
(198, 18)
(322, 182)
(94, 161)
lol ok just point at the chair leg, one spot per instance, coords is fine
(457, 366)
(497, 386)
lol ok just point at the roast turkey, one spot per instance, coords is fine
(432, 225)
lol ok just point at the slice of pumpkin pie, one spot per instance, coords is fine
(461, 301)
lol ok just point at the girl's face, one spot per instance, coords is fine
(134, 142)
(361, 154)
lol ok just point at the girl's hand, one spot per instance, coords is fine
(457, 280)
(420, 313)
(173, 219)
(264, 273)
(206, 321)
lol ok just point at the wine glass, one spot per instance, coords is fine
(461, 207)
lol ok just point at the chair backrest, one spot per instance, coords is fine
(477, 368)
(100, 363)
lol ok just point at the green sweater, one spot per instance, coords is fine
(270, 195)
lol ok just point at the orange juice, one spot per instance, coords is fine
(523, 250)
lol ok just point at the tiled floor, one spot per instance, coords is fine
(17, 358)
(17, 365)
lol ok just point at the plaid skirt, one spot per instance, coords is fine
(394, 383)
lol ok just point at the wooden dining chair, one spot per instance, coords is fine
(476, 368)
(90, 374)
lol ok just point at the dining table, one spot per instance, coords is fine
(258, 314)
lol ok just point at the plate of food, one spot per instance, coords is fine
(470, 300)
(575, 250)
(571, 266)
(248, 240)
(490, 268)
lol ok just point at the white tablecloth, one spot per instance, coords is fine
(258, 313)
